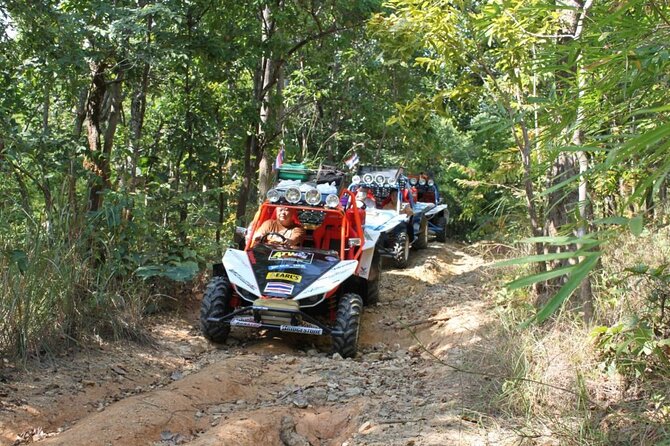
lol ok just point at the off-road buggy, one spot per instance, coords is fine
(426, 194)
(398, 229)
(318, 288)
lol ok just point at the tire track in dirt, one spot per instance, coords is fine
(288, 390)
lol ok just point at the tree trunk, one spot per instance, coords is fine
(94, 161)
(104, 101)
(138, 106)
(245, 185)
(267, 113)
(46, 108)
(575, 22)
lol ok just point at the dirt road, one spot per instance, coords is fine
(268, 389)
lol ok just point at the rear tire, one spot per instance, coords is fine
(441, 235)
(422, 237)
(348, 320)
(216, 304)
(401, 250)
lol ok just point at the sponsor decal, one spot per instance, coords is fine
(242, 279)
(292, 256)
(285, 276)
(332, 258)
(363, 271)
(245, 322)
(301, 329)
(287, 266)
(339, 267)
(278, 288)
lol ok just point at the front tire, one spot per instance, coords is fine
(441, 235)
(401, 250)
(422, 238)
(216, 304)
(348, 321)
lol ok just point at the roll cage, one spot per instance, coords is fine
(338, 228)
(381, 182)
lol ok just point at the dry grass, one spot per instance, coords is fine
(556, 381)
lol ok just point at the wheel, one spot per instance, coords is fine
(216, 304)
(401, 250)
(422, 237)
(265, 237)
(348, 320)
(372, 296)
(442, 233)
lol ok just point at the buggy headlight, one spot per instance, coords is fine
(422, 181)
(392, 181)
(292, 195)
(272, 195)
(355, 179)
(412, 181)
(367, 178)
(332, 201)
(379, 179)
(431, 182)
(313, 197)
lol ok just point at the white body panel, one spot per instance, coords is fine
(239, 271)
(382, 220)
(333, 277)
(369, 244)
(435, 210)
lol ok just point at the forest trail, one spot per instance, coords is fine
(403, 388)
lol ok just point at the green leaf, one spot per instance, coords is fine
(636, 225)
(580, 272)
(621, 221)
(540, 277)
(640, 268)
(20, 258)
(651, 110)
(180, 272)
(544, 257)
(563, 240)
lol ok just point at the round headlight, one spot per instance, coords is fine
(379, 179)
(356, 179)
(422, 181)
(332, 201)
(431, 182)
(292, 195)
(392, 181)
(272, 195)
(412, 181)
(367, 178)
(313, 197)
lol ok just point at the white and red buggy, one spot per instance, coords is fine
(318, 288)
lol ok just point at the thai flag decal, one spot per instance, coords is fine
(278, 288)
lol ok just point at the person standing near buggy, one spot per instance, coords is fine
(285, 225)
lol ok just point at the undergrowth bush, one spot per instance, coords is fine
(586, 385)
(66, 282)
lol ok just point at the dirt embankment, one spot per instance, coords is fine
(268, 389)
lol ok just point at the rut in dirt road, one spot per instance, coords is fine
(265, 389)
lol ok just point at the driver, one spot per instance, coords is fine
(286, 225)
(392, 203)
